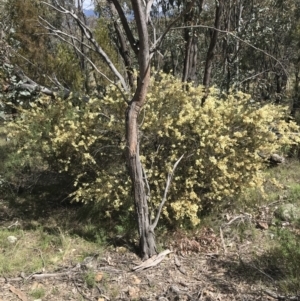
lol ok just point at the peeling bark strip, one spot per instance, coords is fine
(155, 260)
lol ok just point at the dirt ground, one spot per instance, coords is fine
(203, 268)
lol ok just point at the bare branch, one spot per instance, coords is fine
(89, 35)
(125, 53)
(253, 76)
(59, 34)
(168, 183)
(30, 85)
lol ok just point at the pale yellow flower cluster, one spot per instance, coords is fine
(223, 143)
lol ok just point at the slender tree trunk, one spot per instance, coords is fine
(226, 46)
(146, 233)
(124, 51)
(212, 45)
(147, 239)
(239, 13)
(191, 40)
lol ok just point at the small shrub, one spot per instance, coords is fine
(224, 143)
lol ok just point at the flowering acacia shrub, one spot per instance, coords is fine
(85, 140)
(223, 142)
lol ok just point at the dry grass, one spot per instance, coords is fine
(37, 251)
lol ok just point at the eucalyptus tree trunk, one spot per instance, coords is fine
(142, 50)
(191, 41)
(146, 231)
(239, 12)
(212, 45)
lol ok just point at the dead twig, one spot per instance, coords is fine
(241, 216)
(222, 240)
(16, 223)
(54, 275)
(50, 275)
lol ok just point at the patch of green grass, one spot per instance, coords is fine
(37, 249)
(250, 199)
(55, 291)
(282, 262)
(89, 278)
(294, 193)
(273, 257)
(281, 183)
(38, 293)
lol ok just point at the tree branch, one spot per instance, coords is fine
(59, 34)
(124, 22)
(89, 35)
(30, 85)
(125, 53)
(170, 177)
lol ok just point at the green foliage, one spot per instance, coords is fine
(223, 143)
(29, 39)
(38, 293)
(89, 278)
(67, 67)
(104, 37)
(284, 260)
(39, 55)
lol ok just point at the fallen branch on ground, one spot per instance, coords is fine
(153, 261)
